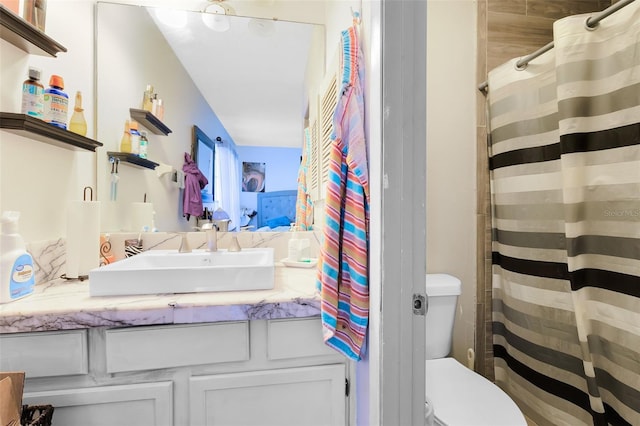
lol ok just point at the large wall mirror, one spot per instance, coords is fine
(204, 154)
(249, 84)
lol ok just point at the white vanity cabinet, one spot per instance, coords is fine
(260, 372)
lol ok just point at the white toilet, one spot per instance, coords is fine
(457, 395)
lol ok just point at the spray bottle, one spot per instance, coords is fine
(17, 276)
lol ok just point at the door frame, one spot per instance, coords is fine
(403, 239)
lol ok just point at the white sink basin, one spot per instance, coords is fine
(167, 271)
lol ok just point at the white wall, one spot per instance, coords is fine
(451, 154)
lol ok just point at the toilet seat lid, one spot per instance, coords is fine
(463, 397)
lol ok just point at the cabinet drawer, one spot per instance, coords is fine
(146, 348)
(295, 338)
(46, 353)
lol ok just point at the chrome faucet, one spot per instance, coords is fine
(212, 236)
(184, 244)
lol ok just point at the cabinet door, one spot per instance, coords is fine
(139, 404)
(292, 396)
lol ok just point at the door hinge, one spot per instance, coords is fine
(420, 304)
(346, 387)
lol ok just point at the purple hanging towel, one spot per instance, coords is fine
(194, 182)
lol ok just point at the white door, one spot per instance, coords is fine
(403, 216)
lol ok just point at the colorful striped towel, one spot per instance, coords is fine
(304, 205)
(343, 261)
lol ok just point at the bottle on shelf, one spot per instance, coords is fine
(147, 98)
(125, 142)
(160, 110)
(157, 107)
(144, 143)
(154, 104)
(56, 103)
(35, 13)
(33, 95)
(78, 124)
(135, 137)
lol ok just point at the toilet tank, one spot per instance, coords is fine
(442, 292)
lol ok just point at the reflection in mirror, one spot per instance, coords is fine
(203, 153)
(248, 86)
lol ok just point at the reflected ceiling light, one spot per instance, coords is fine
(172, 18)
(261, 27)
(214, 15)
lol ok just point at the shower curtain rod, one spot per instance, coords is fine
(591, 23)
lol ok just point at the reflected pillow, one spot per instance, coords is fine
(278, 221)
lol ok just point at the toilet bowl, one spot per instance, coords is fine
(458, 395)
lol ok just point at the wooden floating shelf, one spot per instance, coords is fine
(133, 159)
(25, 36)
(34, 128)
(149, 121)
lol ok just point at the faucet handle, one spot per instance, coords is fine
(184, 244)
(209, 225)
(212, 238)
(235, 246)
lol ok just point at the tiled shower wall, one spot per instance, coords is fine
(506, 29)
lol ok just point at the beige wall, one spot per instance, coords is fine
(451, 157)
(506, 29)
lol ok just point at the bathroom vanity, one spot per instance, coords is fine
(243, 357)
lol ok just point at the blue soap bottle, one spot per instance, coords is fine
(17, 276)
(56, 103)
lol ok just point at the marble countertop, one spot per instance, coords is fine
(65, 305)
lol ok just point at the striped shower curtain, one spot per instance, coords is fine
(564, 150)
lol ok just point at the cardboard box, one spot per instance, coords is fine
(11, 389)
(32, 11)
(13, 5)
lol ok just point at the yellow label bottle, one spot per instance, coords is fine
(147, 98)
(78, 124)
(125, 142)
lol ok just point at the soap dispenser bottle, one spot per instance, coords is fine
(293, 253)
(17, 276)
